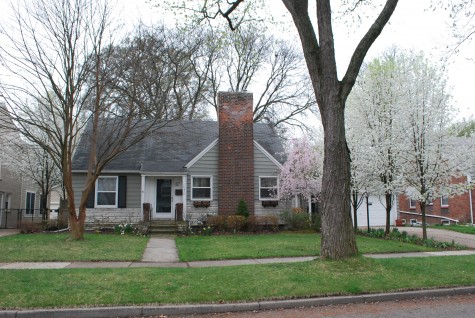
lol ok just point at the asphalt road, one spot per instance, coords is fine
(440, 307)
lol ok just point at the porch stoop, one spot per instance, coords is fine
(165, 227)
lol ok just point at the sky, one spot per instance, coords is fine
(412, 26)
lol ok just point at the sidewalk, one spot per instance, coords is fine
(162, 252)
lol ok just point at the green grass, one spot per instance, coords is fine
(137, 286)
(55, 247)
(458, 228)
(195, 248)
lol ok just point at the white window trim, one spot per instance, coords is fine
(444, 205)
(97, 206)
(210, 186)
(277, 188)
(410, 203)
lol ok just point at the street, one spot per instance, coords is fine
(440, 307)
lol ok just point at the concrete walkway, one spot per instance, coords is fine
(161, 250)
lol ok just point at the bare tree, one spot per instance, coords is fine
(52, 49)
(273, 69)
(164, 71)
(338, 239)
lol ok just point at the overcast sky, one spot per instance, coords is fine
(411, 27)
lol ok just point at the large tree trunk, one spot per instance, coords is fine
(338, 238)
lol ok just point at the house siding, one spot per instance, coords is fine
(131, 214)
(206, 166)
(10, 184)
(263, 166)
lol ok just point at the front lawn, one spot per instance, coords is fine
(458, 228)
(22, 289)
(287, 244)
(46, 247)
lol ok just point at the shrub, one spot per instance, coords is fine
(242, 209)
(257, 223)
(218, 222)
(235, 223)
(403, 236)
(297, 219)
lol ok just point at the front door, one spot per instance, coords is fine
(164, 205)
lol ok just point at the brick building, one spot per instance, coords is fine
(453, 209)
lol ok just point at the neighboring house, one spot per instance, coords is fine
(189, 170)
(443, 210)
(16, 195)
(375, 207)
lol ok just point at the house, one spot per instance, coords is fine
(189, 170)
(443, 210)
(18, 197)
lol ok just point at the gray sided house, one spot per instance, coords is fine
(189, 170)
(19, 196)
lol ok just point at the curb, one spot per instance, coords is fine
(127, 311)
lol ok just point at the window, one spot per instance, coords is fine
(30, 203)
(444, 201)
(201, 188)
(268, 188)
(412, 203)
(106, 192)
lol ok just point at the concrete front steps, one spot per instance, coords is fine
(166, 227)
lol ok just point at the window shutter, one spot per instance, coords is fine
(122, 195)
(91, 198)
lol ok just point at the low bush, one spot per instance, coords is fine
(297, 219)
(217, 222)
(403, 236)
(256, 223)
(235, 223)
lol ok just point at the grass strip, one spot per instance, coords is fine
(47, 247)
(21, 289)
(194, 248)
(458, 228)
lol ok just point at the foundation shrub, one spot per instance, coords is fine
(296, 219)
(235, 223)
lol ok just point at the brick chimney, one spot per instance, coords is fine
(236, 152)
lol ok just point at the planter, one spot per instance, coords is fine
(272, 203)
(201, 204)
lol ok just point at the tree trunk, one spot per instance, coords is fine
(338, 237)
(354, 195)
(63, 214)
(389, 205)
(424, 227)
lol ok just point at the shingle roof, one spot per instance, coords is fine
(173, 146)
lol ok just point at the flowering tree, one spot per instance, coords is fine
(374, 124)
(432, 156)
(399, 133)
(301, 173)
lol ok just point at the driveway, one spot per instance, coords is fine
(442, 235)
